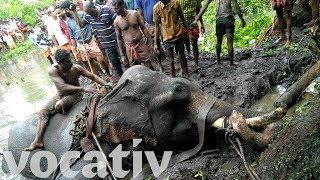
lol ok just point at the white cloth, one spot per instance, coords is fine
(55, 30)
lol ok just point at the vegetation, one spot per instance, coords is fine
(21, 49)
(25, 9)
(258, 15)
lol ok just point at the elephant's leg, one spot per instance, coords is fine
(259, 139)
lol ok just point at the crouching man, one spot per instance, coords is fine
(65, 76)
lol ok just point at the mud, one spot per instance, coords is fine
(259, 70)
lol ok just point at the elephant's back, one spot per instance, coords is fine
(56, 138)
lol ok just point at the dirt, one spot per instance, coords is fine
(258, 71)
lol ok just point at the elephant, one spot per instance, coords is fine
(145, 104)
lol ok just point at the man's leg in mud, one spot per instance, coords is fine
(187, 43)
(289, 26)
(230, 47)
(44, 115)
(114, 57)
(280, 17)
(170, 55)
(218, 48)
(179, 47)
(195, 50)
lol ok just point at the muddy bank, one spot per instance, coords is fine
(260, 69)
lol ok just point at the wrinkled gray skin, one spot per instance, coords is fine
(171, 102)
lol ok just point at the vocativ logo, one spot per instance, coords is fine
(88, 170)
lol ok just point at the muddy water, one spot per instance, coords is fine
(24, 89)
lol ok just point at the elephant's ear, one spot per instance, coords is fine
(122, 116)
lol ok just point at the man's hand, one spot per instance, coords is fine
(243, 23)
(90, 90)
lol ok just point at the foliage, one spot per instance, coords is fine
(257, 13)
(23, 9)
(21, 49)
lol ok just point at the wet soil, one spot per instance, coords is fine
(260, 69)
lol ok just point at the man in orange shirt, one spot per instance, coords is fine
(169, 20)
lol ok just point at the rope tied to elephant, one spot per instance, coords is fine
(232, 137)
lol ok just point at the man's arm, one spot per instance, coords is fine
(203, 10)
(144, 29)
(200, 19)
(91, 76)
(62, 87)
(238, 11)
(120, 42)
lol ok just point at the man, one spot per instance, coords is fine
(44, 42)
(83, 43)
(101, 18)
(130, 28)
(190, 9)
(145, 7)
(282, 6)
(59, 39)
(315, 13)
(169, 20)
(224, 24)
(65, 77)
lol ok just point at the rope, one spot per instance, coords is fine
(230, 134)
(104, 155)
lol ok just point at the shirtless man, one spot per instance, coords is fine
(65, 77)
(130, 26)
(224, 23)
(315, 13)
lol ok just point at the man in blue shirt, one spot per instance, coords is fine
(101, 18)
(145, 7)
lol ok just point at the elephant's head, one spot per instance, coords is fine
(157, 108)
